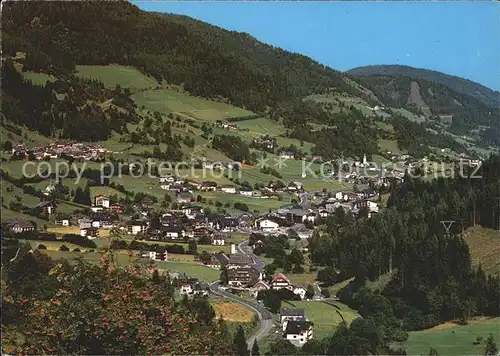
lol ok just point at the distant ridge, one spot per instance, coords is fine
(465, 86)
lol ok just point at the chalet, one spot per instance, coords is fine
(185, 197)
(369, 192)
(116, 208)
(287, 154)
(167, 179)
(166, 186)
(18, 225)
(243, 277)
(218, 240)
(280, 281)
(173, 233)
(298, 332)
(310, 216)
(85, 222)
(89, 232)
(247, 192)
(208, 186)
(267, 225)
(266, 141)
(211, 165)
(239, 261)
(186, 289)
(136, 227)
(45, 208)
(229, 189)
(287, 314)
(63, 221)
(102, 201)
(202, 231)
(147, 203)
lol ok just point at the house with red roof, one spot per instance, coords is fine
(280, 281)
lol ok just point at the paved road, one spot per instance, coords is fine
(264, 315)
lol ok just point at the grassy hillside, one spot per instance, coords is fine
(113, 75)
(452, 339)
(484, 246)
(461, 85)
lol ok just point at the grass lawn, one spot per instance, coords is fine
(38, 78)
(62, 230)
(451, 339)
(408, 114)
(484, 246)
(171, 101)
(390, 145)
(113, 75)
(326, 317)
(197, 270)
(9, 214)
(261, 126)
(201, 248)
(103, 190)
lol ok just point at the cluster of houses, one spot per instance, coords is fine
(185, 190)
(266, 141)
(63, 148)
(226, 125)
(295, 326)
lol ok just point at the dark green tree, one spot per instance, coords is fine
(491, 348)
(255, 349)
(309, 291)
(240, 342)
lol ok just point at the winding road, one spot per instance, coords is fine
(265, 317)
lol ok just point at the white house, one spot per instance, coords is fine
(339, 196)
(300, 291)
(218, 240)
(267, 225)
(287, 154)
(102, 201)
(135, 228)
(229, 189)
(186, 289)
(311, 217)
(246, 192)
(174, 234)
(298, 332)
(96, 208)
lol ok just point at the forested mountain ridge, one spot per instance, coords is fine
(433, 100)
(208, 61)
(486, 95)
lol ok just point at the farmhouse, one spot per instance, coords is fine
(280, 281)
(102, 201)
(208, 186)
(247, 192)
(184, 197)
(18, 225)
(287, 314)
(89, 232)
(229, 189)
(45, 208)
(287, 154)
(116, 208)
(298, 332)
(217, 260)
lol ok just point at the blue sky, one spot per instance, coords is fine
(459, 38)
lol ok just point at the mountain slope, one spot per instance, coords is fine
(486, 95)
(206, 60)
(434, 100)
